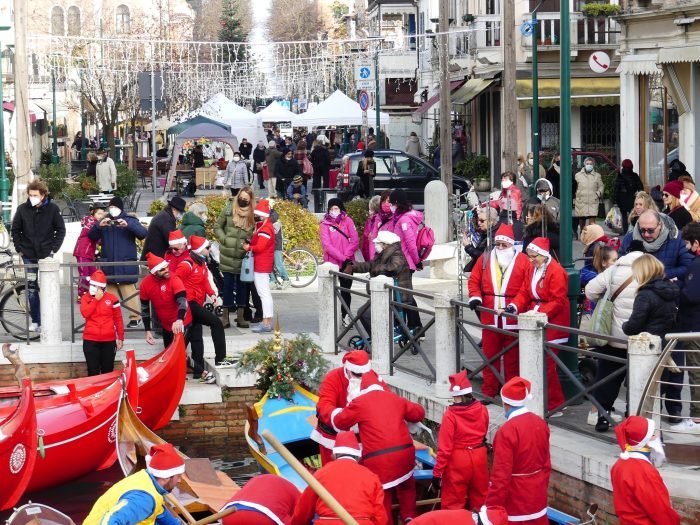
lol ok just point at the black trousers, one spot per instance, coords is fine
(320, 178)
(672, 392)
(99, 356)
(257, 303)
(607, 393)
(203, 317)
(234, 191)
(347, 296)
(168, 337)
(625, 219)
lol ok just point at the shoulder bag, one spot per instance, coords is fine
(602, 317)
(247, 268)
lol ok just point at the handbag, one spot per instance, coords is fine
(247, 268)
(602, 316)
(265, 172)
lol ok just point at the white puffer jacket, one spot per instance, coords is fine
(622, 307)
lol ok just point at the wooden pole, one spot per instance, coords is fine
(510, 101)
(23, 156)
(216, 517)
(319, 489)
(180, 508)
(443, 41)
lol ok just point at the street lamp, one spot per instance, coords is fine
(83, 148)
(54, 129)
(4, 181)
(377, 105)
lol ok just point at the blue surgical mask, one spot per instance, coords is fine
(589, 168)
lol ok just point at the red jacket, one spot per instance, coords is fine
(103, 318)
(463, 427)
(548, 295)
(268, 494)
(195, 277)
(510, 199)
(363, 497)
(521, 466)
(496, 290)
(174, 260)
(445, 517)
(162, 295)
(84, 246)
(262, 244)
(639, 494)
(387, 446)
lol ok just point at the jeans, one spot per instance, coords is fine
(279, 266)
(33, 291)
(672, 391)
(607, 393)
(235, 293)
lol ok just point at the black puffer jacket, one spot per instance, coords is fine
(286, 170)
(627, 184)
(158, 232)
(38, 232)
(654, 309)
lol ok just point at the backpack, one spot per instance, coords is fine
(425, 240)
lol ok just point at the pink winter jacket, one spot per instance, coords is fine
(406, 226)
(337, 248)
(369, 234)
(84, 246)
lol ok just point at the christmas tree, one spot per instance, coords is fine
(232, 30)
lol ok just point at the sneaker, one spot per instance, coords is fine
(134, 323)
(592, 418)
(262, 328)
(207, 378)
(602, 425)
(256, 320)
(33, 327)
(557, 414)
(286, 284)
(226, 362)
(346, 320)
(615, 416)
(687, 425)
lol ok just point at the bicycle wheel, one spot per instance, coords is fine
(13, 311)
(301, 266)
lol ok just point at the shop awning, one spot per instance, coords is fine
(425, 106)
(470, 90)
(10, 106)
(642, 64)
(672, 55)
(595, 91)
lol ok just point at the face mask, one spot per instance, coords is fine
(334, 214)
(93, 290)
(392, 208)
(386, 207)
(504, 256)
(236, 158)
(506, 184)
(243, 203)
(557, 163)
(35, 201)
(543, 196)
(378, 247)
(531, 161)
(589, 168)
(115, 212)
(658, 455)
(205, 218)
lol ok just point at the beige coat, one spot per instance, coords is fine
(589, 192)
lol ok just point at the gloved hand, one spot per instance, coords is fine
(474, 303)
(510, 309)
(419, 266)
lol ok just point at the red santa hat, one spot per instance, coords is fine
(155, 263)
(633, 434)
(493, 515)
(98, 278)
(163, 461)
(197, 244)
(357, 361)
(460, 384)
(505, 234)
(370, 381)
(540, 245)
(176, 237)
(346, 443)
(516, 391)
(262, 209)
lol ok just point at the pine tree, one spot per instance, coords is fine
(232, 29)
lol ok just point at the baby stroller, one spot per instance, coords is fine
(217, 277)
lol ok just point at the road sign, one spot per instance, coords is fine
(599, 62)
(364, 85)
(363, 99)
(364, 70)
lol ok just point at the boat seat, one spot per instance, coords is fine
(60, 389)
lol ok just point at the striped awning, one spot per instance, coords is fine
(674, 55)
(642, 64)
(588, 91)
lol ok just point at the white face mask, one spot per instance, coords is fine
(378, 247)
(205, 218)
(114, 211)
(589, 168)
(334, 214)
(657, 455)
(93, 290)
(504, 256)
(531, 162)
(392, 208)
(506, 184)
(35, 201)
(236, 158)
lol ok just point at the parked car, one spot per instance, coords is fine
(397, 169)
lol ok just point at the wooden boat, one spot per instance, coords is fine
(38, 514)
(77, 430)
(291, 422)
(163, 373)
(202, 489)
(18, 448)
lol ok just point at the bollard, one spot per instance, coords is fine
(445, 343)
(438, 210)
(50, 297)
(643, 351)
(532, 366)
(326, 298)
(382, 322)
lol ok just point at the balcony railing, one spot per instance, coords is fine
(585, 31)
(486, 34)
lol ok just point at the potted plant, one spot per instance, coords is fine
(468, 18)
(476, 168)
(596, 10)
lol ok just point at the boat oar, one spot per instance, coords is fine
(180, 508)
(421, 503)
(319, 489)
(217, 516)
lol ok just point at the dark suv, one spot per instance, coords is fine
(397, 169)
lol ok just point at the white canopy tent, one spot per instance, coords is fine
(275, 112)
(338, 110)
(244, 123)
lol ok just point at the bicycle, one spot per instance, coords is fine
(301, 266)
(14, 305)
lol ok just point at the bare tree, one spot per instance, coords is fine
(207, 23)
(295, 20)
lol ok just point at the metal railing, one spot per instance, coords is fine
(16, 281)
(355, 322)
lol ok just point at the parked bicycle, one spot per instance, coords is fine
(301, 266)
(14, 304)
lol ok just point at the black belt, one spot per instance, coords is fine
(325, 428)
(477, 446)
(387, 450)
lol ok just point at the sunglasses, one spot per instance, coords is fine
(666, 195)
(647, 231)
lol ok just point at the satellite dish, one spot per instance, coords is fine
(527, 28)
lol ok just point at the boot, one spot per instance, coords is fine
(224, 318)
(240, 319)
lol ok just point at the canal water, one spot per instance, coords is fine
(75, 499)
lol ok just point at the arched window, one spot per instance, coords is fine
(123, 19)
(57, 21)
(73, 21)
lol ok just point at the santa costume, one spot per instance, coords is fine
(357, 489)
(495, 280)
(264, 500)
(387, 446)
(485, 516)
(333, 393)
(521, 463)
(545, 290)
(461, 458)
(639, 494)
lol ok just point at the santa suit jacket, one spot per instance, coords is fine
(521, 466)
(270, 495)
(357, 489)
(463, 427)
(496, 288)
(387, 446)
(544, 290)
(639, 494)
(445, 517)
(195, 277)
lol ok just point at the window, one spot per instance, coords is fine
(659, 130)
(73, 21)
(57, 22)
(409, 166)
(123, 19)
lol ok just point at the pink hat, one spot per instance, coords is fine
(163, 461)
(346, 443)
(460, 384)
(516, 391)
(633, 434)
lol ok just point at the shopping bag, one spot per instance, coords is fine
(265, 172)
(247, 270)
(613, 220)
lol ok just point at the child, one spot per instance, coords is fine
(461, 466)
(85, 248)
(296, 191)
(104, 326)
(279, 260)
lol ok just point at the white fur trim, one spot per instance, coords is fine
(204, 246)
(159, 267)
(321, 439)
(504, 238)
(163, 474)
(651, 427)
(515, 402)
(267, 512)
(335, 412)
(261, 213)
(538, 250)
(397, 481)
(175, 242)
(357, 369)
(484, 516)
(97, 283)
(347, 450)
(518, 412)
(455, 391)
(370, 388)
(528, 517)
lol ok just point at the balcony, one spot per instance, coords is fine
(586, 33)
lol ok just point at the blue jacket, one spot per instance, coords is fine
(119, 244)
(689, 310)
(137, 505)
(673, 253)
